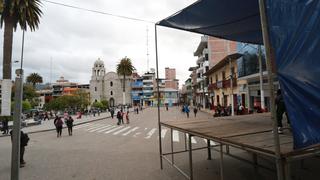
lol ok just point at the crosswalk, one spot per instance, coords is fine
(135, 131)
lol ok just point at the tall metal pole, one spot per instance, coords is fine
(158, 95)
(261, 77)
(231, 87)
(15, 155)
(266, 42)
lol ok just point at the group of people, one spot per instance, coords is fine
(121, 115)
(58, 122)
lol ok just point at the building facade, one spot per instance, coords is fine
(108, 86)
(148, 80)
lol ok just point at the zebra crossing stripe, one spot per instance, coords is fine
(107, 132)
(104, 129)
(130, 131)
(163, 132)
(150, 133)
(193, 140)
(175, 136)
(121, 130)
(81, 126)
(93, 126)
(96, 129)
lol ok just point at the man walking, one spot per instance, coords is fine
(5, 126)
(69, 123)
(112, 112)
(195, 111)
(281, 108)
(24, 139)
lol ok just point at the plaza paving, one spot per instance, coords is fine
(103, 150)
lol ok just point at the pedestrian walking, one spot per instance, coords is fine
(167, 108)
(127, 117)
(122, 115)
(137, 110)
(69, 123)
(195, 111)
(58, 123)
(119, 116)
(112, 112)
(5, 126)
(281, 109)
(186, 110)
(24, 139)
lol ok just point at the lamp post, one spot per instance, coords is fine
(15, 155)
(231, 87)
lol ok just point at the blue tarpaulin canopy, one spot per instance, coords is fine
(293, 26)
(228, 19)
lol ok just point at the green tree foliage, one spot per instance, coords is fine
(105, 104)
(66, 102)
(25, 13)
(26, 105)
(34, 78)
(97, 104)
(125, 68)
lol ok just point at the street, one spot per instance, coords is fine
(102, 150)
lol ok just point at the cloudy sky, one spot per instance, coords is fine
(73, 39)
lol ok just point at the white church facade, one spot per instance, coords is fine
(108, 86)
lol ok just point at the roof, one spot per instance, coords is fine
(228, 19)
(223, 62)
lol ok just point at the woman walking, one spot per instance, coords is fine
(127, 117)
(69, 123)
(58, 123)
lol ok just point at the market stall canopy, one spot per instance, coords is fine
(228, 19)
(293, 27)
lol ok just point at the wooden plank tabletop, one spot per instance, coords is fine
(254, 131)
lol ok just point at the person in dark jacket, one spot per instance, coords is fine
(195, 111)
(24, 139)
(69, 123)
(281, 108)
(119, 117)
(112, 112)
(5, 126)
(59, 124)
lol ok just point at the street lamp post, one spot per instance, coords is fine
(15, 155)
(231, 87)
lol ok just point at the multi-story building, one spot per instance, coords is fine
(137, 91)
(59, 86)
(209, 52)
(108, 86)
(224, 83)
(170, 78)
(249, 65)
(148, 80)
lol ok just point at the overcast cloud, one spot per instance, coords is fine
(74, 39)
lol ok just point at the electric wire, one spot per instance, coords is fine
(98, 12)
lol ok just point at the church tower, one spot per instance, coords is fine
(97, 81)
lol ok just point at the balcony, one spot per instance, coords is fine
(223, 84)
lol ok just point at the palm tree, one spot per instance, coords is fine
(25, 13)
(34, 78)
(125, 68)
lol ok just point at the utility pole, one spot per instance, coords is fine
(261, 78)
(15, 154)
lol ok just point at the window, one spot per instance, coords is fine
(210, 80)
(216, 77)
(111, 93)
(111, 84)
(223, 75)
(95, 88)
(232, 72)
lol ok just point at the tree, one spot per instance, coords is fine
(125, 68)
(25, 13)
(97, 104)
(105, 104)
(34, 78)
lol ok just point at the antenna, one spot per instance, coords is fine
(50, 69)
(147, 48)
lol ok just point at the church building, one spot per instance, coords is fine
(108, 86)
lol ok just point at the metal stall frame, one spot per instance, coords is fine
(282, 163)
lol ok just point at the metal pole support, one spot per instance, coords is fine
(171, 142)
(190, 157)
(15, 156)
(209, 149)
(221, 162)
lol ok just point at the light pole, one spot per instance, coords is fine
(15, 155)
(231, 87)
